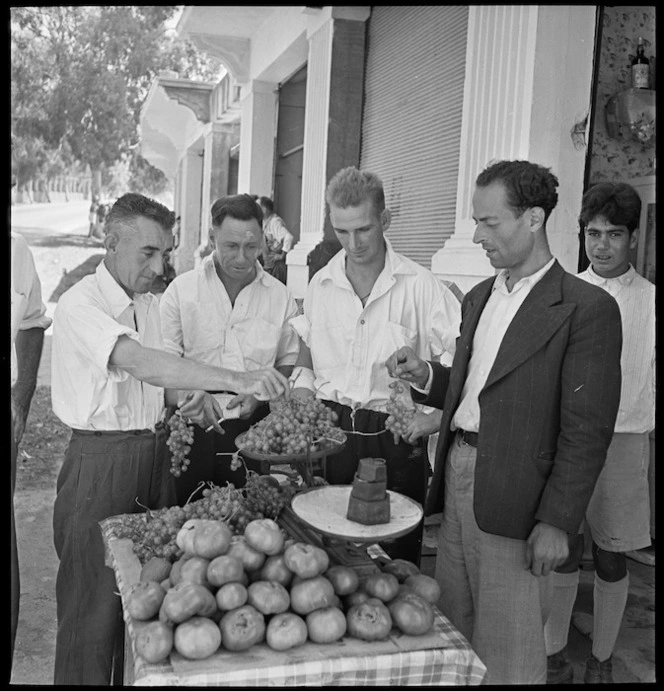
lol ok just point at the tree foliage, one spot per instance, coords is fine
(79, 76)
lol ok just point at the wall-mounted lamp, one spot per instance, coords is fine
(630, 114)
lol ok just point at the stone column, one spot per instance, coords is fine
(333, 125)
(528, 81)
(216, 157)
(257, 136)
(191, 181)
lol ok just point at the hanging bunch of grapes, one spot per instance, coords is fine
(180, 439)
(400, 409)
(294, 427)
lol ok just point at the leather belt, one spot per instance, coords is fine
(469, 438)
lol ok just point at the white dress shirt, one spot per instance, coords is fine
(349, 343)
(199, 321)
(86, 392)
(27, 308)
(494, 321)
(635, 296)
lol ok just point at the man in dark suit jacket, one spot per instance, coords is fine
(529, 407)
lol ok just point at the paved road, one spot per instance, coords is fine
(67, 217)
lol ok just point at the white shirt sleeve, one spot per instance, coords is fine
(171, 320)
(445, 323)
(91, 337)
(26, 283)
(289, 344)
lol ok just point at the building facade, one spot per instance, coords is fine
(425, 96)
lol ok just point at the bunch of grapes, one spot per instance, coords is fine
(154, 533)
(180, 439)
(400, 410)
(293, 428)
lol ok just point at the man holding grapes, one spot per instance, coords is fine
(109, 372)
(364, 304)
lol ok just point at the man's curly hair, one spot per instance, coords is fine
(527, 185)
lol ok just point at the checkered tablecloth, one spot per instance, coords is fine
(448, 658)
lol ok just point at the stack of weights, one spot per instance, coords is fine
(369, 502)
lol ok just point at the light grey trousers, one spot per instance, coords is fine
(486, 592)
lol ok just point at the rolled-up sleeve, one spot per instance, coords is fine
(26, 283)
(302, 327)
(91, 336)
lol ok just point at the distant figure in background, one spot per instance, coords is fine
(618, 514)
(278, 241)
(28, 323)
(321, 254)
(92, 215)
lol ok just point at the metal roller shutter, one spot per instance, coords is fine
(411, 123)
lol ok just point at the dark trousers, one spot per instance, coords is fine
(407, 468)
(205, 463)
(103, 475)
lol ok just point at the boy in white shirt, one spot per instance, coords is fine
(618, 514)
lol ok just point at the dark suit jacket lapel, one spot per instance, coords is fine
(539, 317)
(464, 348)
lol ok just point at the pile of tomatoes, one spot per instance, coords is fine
(236, 591)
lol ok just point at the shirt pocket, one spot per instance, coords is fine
(201, 328)
(258, 339)
(331, 349)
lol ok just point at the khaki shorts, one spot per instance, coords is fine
(619, 510)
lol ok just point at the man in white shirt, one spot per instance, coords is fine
(231, 313)
(28, 323)
(618, 514)
(528, 409)
(278, 241)
(365, 303)
(109, 372)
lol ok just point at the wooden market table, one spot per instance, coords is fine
(441, 657)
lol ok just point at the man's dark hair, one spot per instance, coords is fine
(617, 202)
(267, 204)
(239, 206)
(527, 185)
(133, 205)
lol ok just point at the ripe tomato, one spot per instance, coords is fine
(285, 631)
(275, 569)
(224, 569)
(211, 539)
(384, 586)
(311, 594)
(197, 638)
(144, 600)
(412, 614)
(306, 560)
(265, 535)
(241, 628)
(326, 625)
(186, 600)
(344, 579)
(251, 558)
(356, 598)
(369, 621)
(154, 641)
(424, 586)
(231, 596)
(268, 597)
(195, 570)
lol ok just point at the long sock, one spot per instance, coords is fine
(608, 609)
(556, 629)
